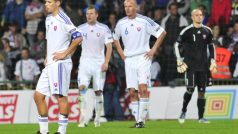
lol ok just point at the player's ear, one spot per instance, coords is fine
(58, 2)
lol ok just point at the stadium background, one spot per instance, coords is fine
(220, 15)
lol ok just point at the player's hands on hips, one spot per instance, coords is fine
(149, 55)
(213, 66)
(181, 66)
(59, 56)
(104, 66)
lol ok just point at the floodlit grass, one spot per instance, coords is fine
(152, 127)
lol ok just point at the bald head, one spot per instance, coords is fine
(197, 16)
(130, 8)
(196, 11)
(133, 2)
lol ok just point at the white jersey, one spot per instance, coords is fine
(136, 34)
(27, 69)
(59, 32)
(95, 37)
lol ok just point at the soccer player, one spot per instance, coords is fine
(194, 41)
(62, 39)
(93, 62)
(135, 31)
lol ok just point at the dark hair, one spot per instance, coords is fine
(173, 4)
(25, 48)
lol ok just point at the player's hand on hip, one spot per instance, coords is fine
(58, 56)
(213, 66)
(45, 61)
(104, 67)
(123, 57)
(181, 66)
(149, 55)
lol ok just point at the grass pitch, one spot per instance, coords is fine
(152, 127)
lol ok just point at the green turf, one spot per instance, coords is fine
(152, 127)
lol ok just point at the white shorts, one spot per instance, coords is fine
(137, 71)
(91, 68)
(55, 79)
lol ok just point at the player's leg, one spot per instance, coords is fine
(144, 82)
(83, 82)
(190, 83)
(63, 113)
(59, 79)
(132, 85)
(201, 101)
(134, 105)
(98, 84)
(42, 90)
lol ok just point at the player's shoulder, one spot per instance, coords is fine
(186, 29)
(83, 26)
(48, 17)
(63, 17)
(208, 29)
(122, 21)
(102, 26)
(145, 19)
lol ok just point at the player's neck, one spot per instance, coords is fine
(92, 23)
(197, 25)
(133, 16)
(56, 11)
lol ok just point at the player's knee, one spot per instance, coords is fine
(190, 90)
(98, 93)
(143, 89)
(133, 94)
(82, 87)
(201, 95)
(38, 97)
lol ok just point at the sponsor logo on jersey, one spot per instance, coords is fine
(204, 36)
(138, 29)
(126, 32)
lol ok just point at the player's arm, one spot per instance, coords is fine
(119, 49)
(155, 47)
(212, 52)
(108, 56)
(181, 66)
(69, 51)
(157, 31)
(76, 39)
(116, 37)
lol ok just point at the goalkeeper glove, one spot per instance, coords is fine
(213, 66)
(181, 66)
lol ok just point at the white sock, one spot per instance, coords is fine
(135, 109)
(63, 122)
(98, 106)
(43, 122)
(143, 109)
(82, 105)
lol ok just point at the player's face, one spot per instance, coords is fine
(130, 8)
(91, 16)
(51, 5)
(197, 17)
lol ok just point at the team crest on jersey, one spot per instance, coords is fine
(204, 36)
(98, 34)
(55, 84)
(55, 28)
(138, 29)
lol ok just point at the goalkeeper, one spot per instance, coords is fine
(195, 40)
